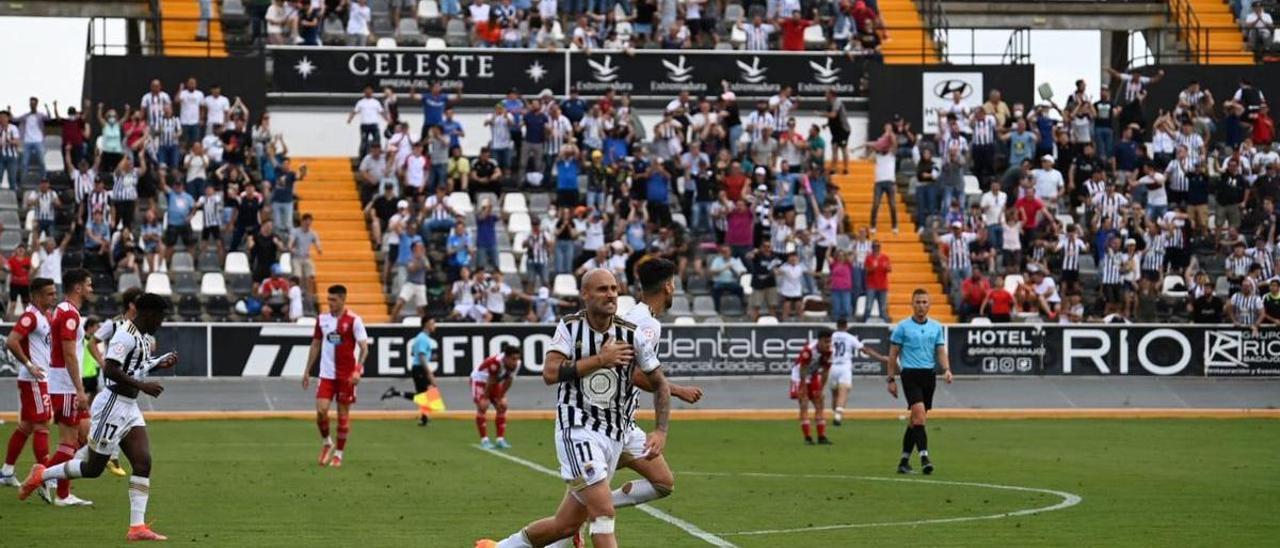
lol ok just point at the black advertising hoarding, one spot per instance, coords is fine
(1125, 350)
(749, 74)
(996, 350)
(118, 79)
(493, 72)
(916, 91)
(1240, 353)
(190, 341)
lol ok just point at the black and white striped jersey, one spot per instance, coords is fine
(131, 349)
(603, 400)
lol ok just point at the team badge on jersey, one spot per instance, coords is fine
(601, 387)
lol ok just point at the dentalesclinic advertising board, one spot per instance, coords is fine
(272, 350)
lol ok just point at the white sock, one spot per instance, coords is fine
(641, 492)
(6, 470)
(66, 470)
(328, 441)
(516, 540)
(139, 491)
(82, 453)
(924, 453)
(338, 453)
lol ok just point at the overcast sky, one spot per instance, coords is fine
(57, 71)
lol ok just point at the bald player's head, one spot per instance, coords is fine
(600, 292)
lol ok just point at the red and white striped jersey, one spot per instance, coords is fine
(33, 327)
(339, 337)
(811, 361)
(66, 326)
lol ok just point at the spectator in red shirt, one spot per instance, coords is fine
(862, 14)
(75, 133)
(1264, 130)
(734, 182)
(793, 31)
(275, 294)
(19, 267)
(998, 305)
(973, 292)
(878, 269)
(1032, 210)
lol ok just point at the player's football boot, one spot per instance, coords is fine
(925, 466)
(72, 500)
(113, 466)
(486, 444)
(822, 440)
(502, 444)
(838, 418)
(32, 482)
(904, 467)
(577, 539)
(48, 491)
(390, 393)
(486, 543)
(423, 420)
(808, 440)
(143, 532)
(335, 461)
(326, 451)
(8, 480)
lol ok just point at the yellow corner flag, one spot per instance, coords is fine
(429, 401)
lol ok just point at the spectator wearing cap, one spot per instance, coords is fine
(274, 292)
(878, 267)
(1048, 182)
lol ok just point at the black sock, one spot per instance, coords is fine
(922, 439)
(406, 396)
(908, 442)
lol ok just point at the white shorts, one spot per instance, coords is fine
(841, 375)
(113, 416)
(586, 457)
(633, 443)
(473, 311)
(413, 295)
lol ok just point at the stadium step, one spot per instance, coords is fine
(907, 41)
(1224, 43)
(912, 264)
(179, 21)
(329, 194)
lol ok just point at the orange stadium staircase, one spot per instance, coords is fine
(179, 20)
(908, 42)
(1219, 40)
(329, 194)
(912, 265)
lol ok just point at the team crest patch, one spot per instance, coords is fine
(72, 323)
(117, 349)
(26, 321)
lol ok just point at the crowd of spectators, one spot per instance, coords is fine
(742, 201)
(1105, 207)
(853, 26)
(164, 185)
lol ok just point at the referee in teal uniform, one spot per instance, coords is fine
(918, 345)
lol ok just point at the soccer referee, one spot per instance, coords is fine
(918, 346)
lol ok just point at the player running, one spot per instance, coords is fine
(657, 287)
(420, 350)
(490, 382)
(592, 357)
(105, 332)
(339, 333)
(117, 421)
(808, 376)
(66, 388)
(843, 347)
(29, 342)
(918, 345)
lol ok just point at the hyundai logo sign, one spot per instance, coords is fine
(945, 88)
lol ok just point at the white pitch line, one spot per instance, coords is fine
(1068, 500)
(687, 527)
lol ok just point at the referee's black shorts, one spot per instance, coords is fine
(420, 381)
(918, 385)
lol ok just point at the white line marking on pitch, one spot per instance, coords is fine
(687, 527)
(1068, 500)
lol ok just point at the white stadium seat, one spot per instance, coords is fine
(237, 263)
(213, 284)
(159, 284)
(565, 286)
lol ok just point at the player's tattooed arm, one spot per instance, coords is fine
(657, 439)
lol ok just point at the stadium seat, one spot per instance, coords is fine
(159, 284)
(679, 219)
(517, 245)
(415, 321)
(213, 284)
(519, 223)
(737, 36)
(745, 282)
(625, 304)
(813, 37)
(189, 308)
(860, 306)
(455, 33)
(436, 44)
(185, 283)
(685, 320)
(1012, 281)
(704, 306)
(767, 320)
(624, 29)
(816, 307)
(980, 320)
(128, 280)
(232, 8)
(733, 13)
(428, 10)
(732, 307)
(971, 187)
(565, 285)
(305, 320)
(409, 31)
(197, 224)
(679, 306)
(218, 307)
(386, 42)
(182, 262)
(237, 263)
(286, 263)
(507, 264)
(461, 203)
(1222, 287)
(1173, 287)
(698, 286)
(540, 203)
(209, 261)
(514, 202)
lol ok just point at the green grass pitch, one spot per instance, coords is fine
(255, 483)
